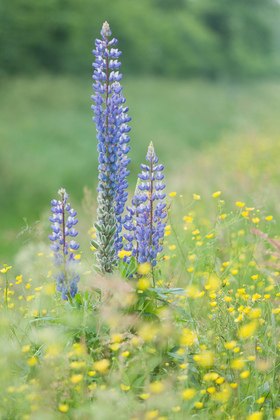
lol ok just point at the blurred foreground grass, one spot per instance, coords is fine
(48, 138)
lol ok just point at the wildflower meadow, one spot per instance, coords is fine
(169, 308)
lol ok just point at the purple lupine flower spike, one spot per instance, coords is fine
(148, 211)
(121, 193)
(63, 222)
(111, 123)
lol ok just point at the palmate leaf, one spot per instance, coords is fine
(185, 315)
(148, 315)
(127, 270)
(139, 381)
(79, 299)
(173, 353)
(161, 293)
(45, 318)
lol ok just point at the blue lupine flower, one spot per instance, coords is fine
(63, 222)
(122, 184)
(148, 211)
(111, 123)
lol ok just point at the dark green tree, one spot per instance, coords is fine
(178, 38)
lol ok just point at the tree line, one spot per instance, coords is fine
(177, 38)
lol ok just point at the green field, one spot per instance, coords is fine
(48, 138)
(196, 337)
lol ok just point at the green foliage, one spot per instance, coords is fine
(213, 38)
(246, 33)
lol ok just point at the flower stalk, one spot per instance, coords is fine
(64, 258)
(145, 220)
(110, 118)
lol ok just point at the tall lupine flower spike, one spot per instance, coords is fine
(63, 222)
(110, 118)
(148, 210)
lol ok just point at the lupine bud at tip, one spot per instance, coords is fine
(151, 151)
(105, 31)
(62, 191)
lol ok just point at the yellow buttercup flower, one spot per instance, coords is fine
(33, 361)
(150, 415)
(123, 253)
(144, 268)
(63, 408)
(147, 332)
(237, 364)
(188, 337)
(188, 219)
(172, 247)
(77, 365)
(258, 415)
(247, 330)
(75, 379)
(125, 387)
(213, 282)
(102, 365)
(156, 387)
(188, 394)
(224, 394)
(92, 372)
(212, 376)
(205, 359)
(255, 313)
(277, 413)
(143, 283)
(216, 194)
(244, 374)
(5, 269)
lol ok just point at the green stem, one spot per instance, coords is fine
(180, 248)
(6, 290)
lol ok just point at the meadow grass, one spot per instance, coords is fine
(48, 138)
(198, 336)
(203, 342)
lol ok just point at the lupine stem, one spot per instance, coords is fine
(151, 217)
(151, 206)
(107, 95)
(64, 247)
(63, 225)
